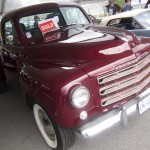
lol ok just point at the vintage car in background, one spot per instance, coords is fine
(77, 77)
(137, 21)
(3, 83)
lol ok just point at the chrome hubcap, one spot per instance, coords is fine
(47, 125)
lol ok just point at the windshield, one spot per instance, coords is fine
(38, 24)
(144, 19)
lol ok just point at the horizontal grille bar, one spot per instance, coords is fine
(124, 94)
(125, 83)
(137, 67)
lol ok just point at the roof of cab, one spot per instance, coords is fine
(21, 11)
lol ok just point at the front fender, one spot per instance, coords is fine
(52, 86)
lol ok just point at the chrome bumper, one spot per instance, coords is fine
(113, 117)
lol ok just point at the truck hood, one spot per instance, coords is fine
(95, 50)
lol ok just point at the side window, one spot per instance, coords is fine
(10, 34)
(136, 25)
(114, 22)
(124, 23)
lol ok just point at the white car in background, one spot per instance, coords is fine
(138, 21)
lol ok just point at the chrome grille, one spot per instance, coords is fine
(124, 83)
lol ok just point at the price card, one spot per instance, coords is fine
(48, 25)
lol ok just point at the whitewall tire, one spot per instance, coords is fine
(56, 137)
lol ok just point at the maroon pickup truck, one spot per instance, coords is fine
(77, 77)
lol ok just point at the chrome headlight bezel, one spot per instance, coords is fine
(76, 100)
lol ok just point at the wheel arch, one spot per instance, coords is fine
(45, 102)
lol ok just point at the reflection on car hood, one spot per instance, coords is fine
(79, 34)
(85, 48)
(82, 35)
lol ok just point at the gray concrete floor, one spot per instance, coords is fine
(18, 130)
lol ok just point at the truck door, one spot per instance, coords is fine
(11, 47)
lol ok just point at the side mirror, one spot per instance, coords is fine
(10, 38)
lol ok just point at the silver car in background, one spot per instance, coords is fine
(137, 21)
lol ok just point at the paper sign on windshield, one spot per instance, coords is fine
(51, 37)
(48, 25)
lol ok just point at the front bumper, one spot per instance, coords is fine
(113, 117)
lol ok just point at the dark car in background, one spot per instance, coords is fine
(137, 21)
(3, 83)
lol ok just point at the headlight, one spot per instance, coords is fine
(80, 97)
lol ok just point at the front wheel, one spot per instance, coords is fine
(56, 137)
